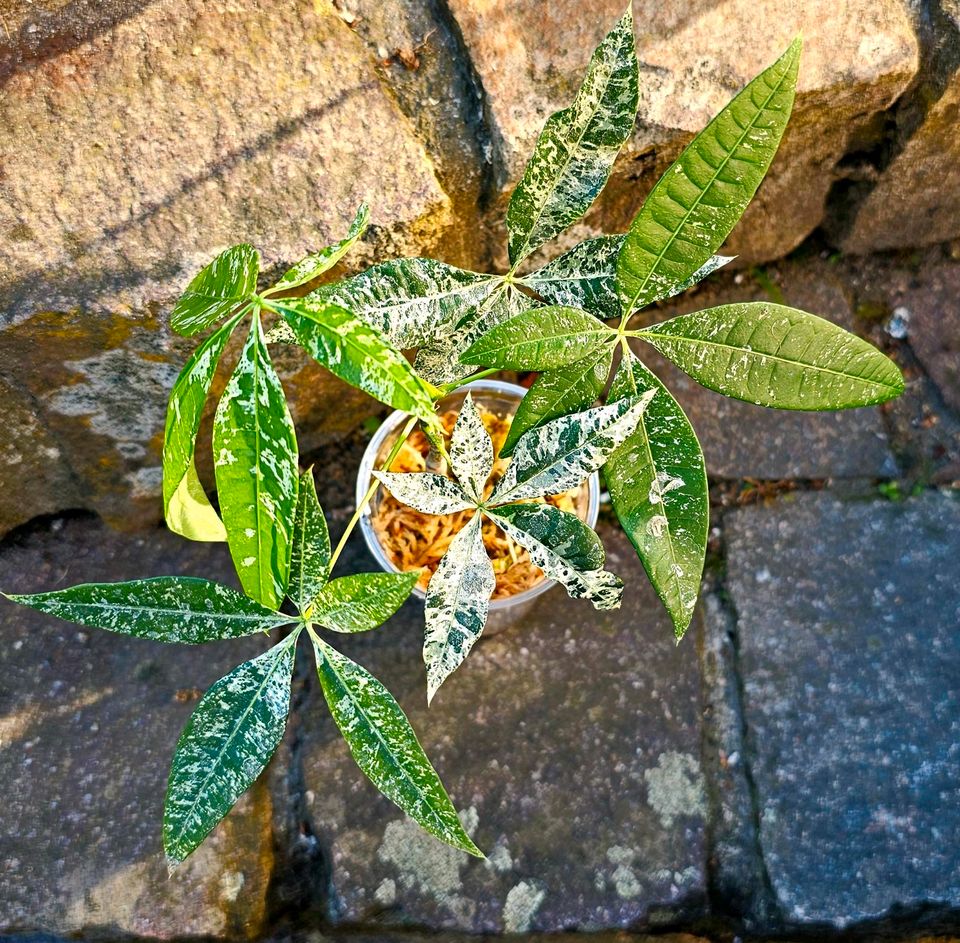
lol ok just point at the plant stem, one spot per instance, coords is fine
(450, 387)
(371, 491)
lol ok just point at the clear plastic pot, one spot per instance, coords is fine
(497, 397)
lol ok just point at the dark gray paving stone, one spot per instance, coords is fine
(570, 742)
(847, 617)
(88, 723)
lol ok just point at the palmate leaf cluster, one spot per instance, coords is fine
(568, 320)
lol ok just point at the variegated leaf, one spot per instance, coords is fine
(558, 455)
(310, 550)
(228, 281)
(458, 598)
(564, 548)
(471, 451)
(577, 147)
(559, 392)
(385, 747)
(698, 201)
(777, 356)
(185, 505)
(255, 460)
(163, 608)
(541, 339)
(586, 277)
(352, 350)
(409, 300)
(362, 601)
(658, 486)
(225, 746)
(317, 263)
(426, 492)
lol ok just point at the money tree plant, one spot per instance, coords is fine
(568, 320)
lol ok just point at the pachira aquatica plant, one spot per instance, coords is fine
(566, 320)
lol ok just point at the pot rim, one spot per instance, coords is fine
(393, 423)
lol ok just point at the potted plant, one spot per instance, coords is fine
(567, 320)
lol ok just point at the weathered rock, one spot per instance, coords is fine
(167, 132)
(846, 618)
(858, 58)
(741, 440)
(569, 742)
(916, 199)
(88, 723)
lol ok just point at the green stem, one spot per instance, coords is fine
(371, 491)
(451, 387)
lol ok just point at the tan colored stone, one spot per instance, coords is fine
(694, 56)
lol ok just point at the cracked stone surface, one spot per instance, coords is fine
(582, 784)
(88, 723)
(847, 619)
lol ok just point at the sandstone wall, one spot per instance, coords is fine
(140, 138)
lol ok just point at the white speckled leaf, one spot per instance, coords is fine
(185, 506)
(228, 281)
(409, 301)
(386, 748)
(164, 608)
(558, 455)
(471, 451)
(776, 356)
(586, 277)
(362, 601)
(540, 339)
(577, 147)
(310, 550)
(352, 350)
(317, 263)
(425, 491)
(439, 361)
(559, 392)
(225, 746)
(658, 486)
(458, 598)
(255, 460)
(698, 201)
(565, 549)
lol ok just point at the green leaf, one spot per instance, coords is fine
(228, 281)
(458, 598)
(362, 601)
(426, 492)
(352, 350)
(185, 505)
(255, 459)
(559, 392)
(164, 609)
(658, 486)
(776, 356)
(565, 549)
(697, 202)
(577, 147)
(409, 300)
(317, 263)
(557, 456)
(541, 339)
(310, 551)
(225, 746)
(471, 451)
(385, 747)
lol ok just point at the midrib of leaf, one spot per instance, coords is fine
(522, 254)
(257, 477)
(393, 760)
(236, 727)
(300, 524)
(279, 618)
(713, 179)
(760, 355)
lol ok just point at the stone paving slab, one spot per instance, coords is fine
(88, 723)
(570, 742)
(847, 616)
